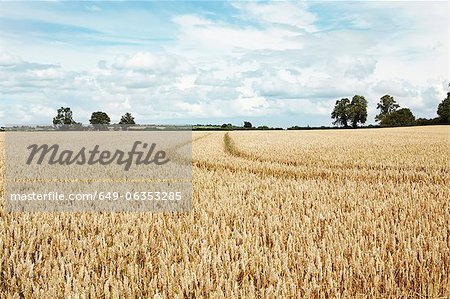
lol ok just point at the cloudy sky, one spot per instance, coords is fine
(274, 63)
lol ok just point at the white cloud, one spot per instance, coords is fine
(186, 82)
(145, 61)
(205, 36)
(9, 60)
(293, 14)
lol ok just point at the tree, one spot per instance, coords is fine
(444, 110)
(398, 118)
(100, 120)
(341, 112)
(247, 124)
(127, 119)
(64, 118)
(358, 110)
(427, 121)
(386, 105)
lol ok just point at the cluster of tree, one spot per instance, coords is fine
(247, 125)
(64, 119)
(354, 112)
(444, 110)
(391, 116)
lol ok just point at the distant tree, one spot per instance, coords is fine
(398, 118)
(386, 105)
(64, 118)
(247, 124)
(341, 112)
(427, 121)
(224, 126)
(444, 110)
(127, 119)
(358, 110)
(99, 120)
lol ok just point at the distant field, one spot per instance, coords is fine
(324, 214)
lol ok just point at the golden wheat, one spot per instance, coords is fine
(351, 214)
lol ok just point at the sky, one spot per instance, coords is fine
(211, 62)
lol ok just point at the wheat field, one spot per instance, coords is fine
(282, 214)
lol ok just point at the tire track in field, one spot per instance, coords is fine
(177, 157)
(315, 175)
(178, 146)
(232, 149)
(279, 170)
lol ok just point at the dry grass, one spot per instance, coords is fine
(323, 214)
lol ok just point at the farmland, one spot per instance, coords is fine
(336, 213)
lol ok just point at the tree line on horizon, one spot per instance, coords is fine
(346, 113)
(99, 119)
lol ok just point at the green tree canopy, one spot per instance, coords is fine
(247, 124)
(100, 120)
(64, 118)
(386, 105)
(127, 119)
(341, 112)
(358, 110)
(444, 110)
(398, 118)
